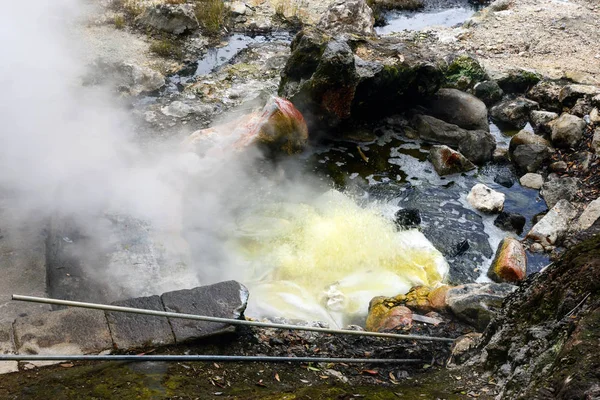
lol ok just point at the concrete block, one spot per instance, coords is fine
(71, 331)
(134, 330)
(224, 299)
(7, 346)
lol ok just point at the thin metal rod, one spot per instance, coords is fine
(211, 358)
(225, 320)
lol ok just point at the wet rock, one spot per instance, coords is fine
(513, 112)
(551, 229)
(510, 262)
(589, 216)
(489, 92)
(397, 4)
(485, 199)
(477, 146)
(348, 16)
(546, 93)
(224, 300)
(130, 331)
(407, 218)
(532, 181)
(459, 108)
(596, 141)
(567, 131)
(569, 94)
(540, 120)
(387, 314)
(504, 178)
(526, 137)
(530, 157)
(518, 80)
(559, 188)
(171, 18)
(559, 166)
(447, 161)
(500, 156)
(511, 222)
(71, 331)
(477, 303)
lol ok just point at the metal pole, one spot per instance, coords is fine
(225, 320)
(202, 358)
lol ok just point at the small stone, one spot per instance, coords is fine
(513, 112)
(536, 248)
(589, 215)
(558, 188)
(511, 222)
(596, 141)
(540, 120)
(559, 166)
(504, 178)
(447, 161)
(532, 181)
(485, 199)
(462, 345)
(595, 116)
(500, 155)
(510, 262)
(407, 218)
(489, 92)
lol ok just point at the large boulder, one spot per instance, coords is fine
(485, 199)
(170, 18)
(459, 108)
(530, 157)
(513, 112)
(447, 161)
(567, 131)
(478, 146)
(540, 120)
(510, 262)
(559, 188)
(526, 137)
(336, 81)
(551, 229)
(570, 94)
(546, 94)
(348, 16)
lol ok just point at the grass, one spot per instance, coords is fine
(166, 48)
(119, 21)
(211, 15)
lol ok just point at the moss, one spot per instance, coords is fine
(119, 21)
(166, 48)
(464, 71)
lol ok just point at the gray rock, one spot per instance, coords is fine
(559, 166)
(71, 331)
(517, 80)
(478, 146)
(513, 112)
(532, 181)
(130, 331)
(530, 157)
(126, 77)
(459, 108)
(7, 346)
(551, 229)
(589, 216)
(485, 199)
(595, 116)
(224, 299)
(477, 303)
(596, 141)
(567, 131)
(569, 94)
(511, 222)
(171, 18)
(540, 120)
(489, 92)
(500, 156)
(505, 178)
(348, 16)
(500, 5)
(581, 108)
(526, 137)
(596, 101)
(447, 161)
(559, 188)
(546, 93)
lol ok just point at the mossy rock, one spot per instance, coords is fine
(463, 72)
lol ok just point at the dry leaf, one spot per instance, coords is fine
(370, 372)
(277, 377)
(66, 365)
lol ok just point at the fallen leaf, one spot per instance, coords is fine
(304, 381)
(370, 372)
(277, 377)
(260, 383)
(66, 365)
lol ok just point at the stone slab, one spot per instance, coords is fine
(225, 300)
(70, 331)
(131, 331)
(7, 346)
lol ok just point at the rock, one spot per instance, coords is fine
(130, 78)
(131, 331)
(551, 229)
(532, 181)
(540, 120)
(447, 161)
(417, 299)
(7, 347)
(485, 199)
(500, 156)
(348, 16)
(237, 8)
(279, 128)
(489, 92)
(463, 72)
(518, 80)
(477, 303)
(437, 297)
(589, 216)
(569, 94)
(530, 157)
(559, 188)
(171, 18)
(477, 146)
(559, 166)
(70, 331)
(504, 178)
(462, 345)
(536, 248)
(546, 93)
(513, 112)
(596, 141)
(459, 108)
(526, 137)
(387, 314)
(409, 5)
(511, 222)
(581, 108)
(583, 159)
(596, 101)
(510, 262)
(180, 109)
(500, 5)
(567, 131)
(407, 218)
(225, 299)
(595, 116)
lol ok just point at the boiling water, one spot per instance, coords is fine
(327, 260)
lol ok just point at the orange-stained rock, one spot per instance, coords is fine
(279, 126)
(417, 299)
(387, 314)
(398, 318)
(437, 297)
(510, 263)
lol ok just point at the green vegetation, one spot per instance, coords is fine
(464, 71)
(166, 48)
(119, 21)
(211, 15)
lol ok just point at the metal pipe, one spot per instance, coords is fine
(225, 320)
(211, 358)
